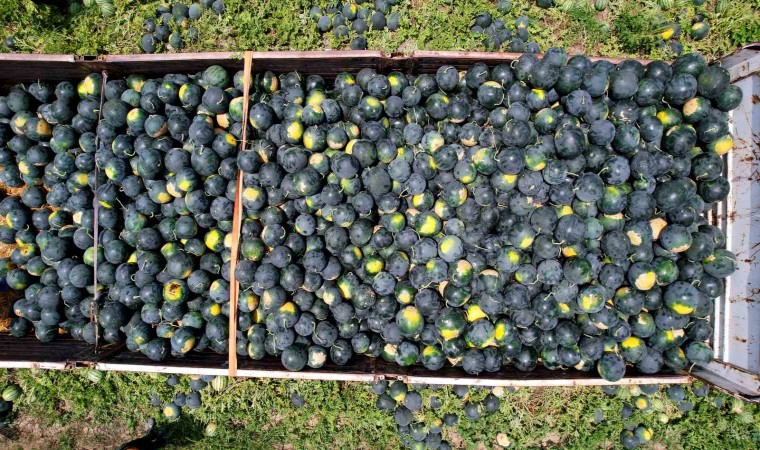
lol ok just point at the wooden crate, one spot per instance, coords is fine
(67, 353)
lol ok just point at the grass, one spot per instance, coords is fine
(625, 29)
(67, 410)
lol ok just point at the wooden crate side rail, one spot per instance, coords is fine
(237, 219)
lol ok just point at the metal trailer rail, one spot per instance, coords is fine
(736, 321)
(736, 367)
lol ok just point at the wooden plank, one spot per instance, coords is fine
(95, 211)
(28, 352)
(237, 220)
(158, 65)
(26, 68)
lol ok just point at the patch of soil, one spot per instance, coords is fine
(29, 433)
(454, 438)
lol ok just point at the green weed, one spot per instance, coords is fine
(258, 414)
(627, 28)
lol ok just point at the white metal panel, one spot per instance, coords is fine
(736, 319)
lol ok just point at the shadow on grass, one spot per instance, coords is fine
(185, 431)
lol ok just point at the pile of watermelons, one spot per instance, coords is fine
(499, 38)
(161, 164)
(171, 27)
(546, 211)
(48, 146)
(355, 18)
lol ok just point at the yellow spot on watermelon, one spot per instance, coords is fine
(681, 248)
(449, 334)
(474, 313)
(569, 252)
(462, 195)
(171, 188)
(163, 197)
(589, 302)
(435, 144)
(691, 106)
(173, 291)
(723, 145)
(657, 224)
(446, 244)
(308, 141)
(251, 194)
(288, 307)
(500, 330)
(412, 315)
(429, 226)
(350, 146)
(438, 208)
(315, 99)
(44, 128)
(189, 344)
(345, 288)
(295, 130)
(634, 237)
(641, 403)
(526, 242)
(329, 297)
(682, 309)
(86, 87)
(645, 281)
(631, 342)
(564, 210)
(212, 240)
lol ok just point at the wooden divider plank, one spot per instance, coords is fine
(237, 218)
(95, 209)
